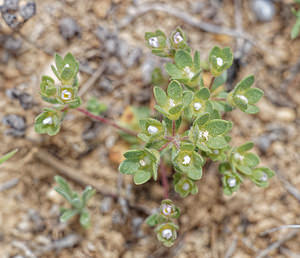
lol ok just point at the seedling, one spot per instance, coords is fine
(78, 203)
(165, 141)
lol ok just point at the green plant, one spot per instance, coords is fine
(296, 28)
(78, 203)
(7, 156)
(186, 132)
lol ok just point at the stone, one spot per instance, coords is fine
(264, 10)
(68, 28)
(28, 10)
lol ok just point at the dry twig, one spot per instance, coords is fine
(232, 247)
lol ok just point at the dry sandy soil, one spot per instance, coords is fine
(107, 38)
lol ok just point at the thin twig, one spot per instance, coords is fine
(91, 81)
(288, 186)
(164, 146)
(187, 18)
(107, 121)
(84, 180)
(277, 244)
(9, 184)
(232, 247)
(278, 228)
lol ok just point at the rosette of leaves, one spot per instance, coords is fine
(157, 42)
(185, 69)
(261, 175)
(172, 104)
(208, 134)
(78, 202)
(243, 160)
(66, 69)
(152, 130)
(48, 122)
(220, 60)
(186, 160)
(142, 164)
(199, 105)
(244, 97)
(231, 180)
(183, 185)
(167, 233)
(296, 28)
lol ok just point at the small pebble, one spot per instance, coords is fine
(11, 5)
(264, 10)
(10, 19)
(28, 10)
(16, 123)
(68, 28)
(105, 205)
(12, 44)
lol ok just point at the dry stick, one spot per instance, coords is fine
(288, 186)
(232, 247)
(277, 244)
(187, 18)
(83, 179)
(164, 179)
(9, 184)
(106, 121)
(91, 81)
(293, 72)
(278, 228)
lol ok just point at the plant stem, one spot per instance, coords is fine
(164, 146)
(164, 179)
(211, 82)
(107, 121)
(173, 127)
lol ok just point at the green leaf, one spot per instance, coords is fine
(96, 107)
(245, 170)
(133, 154)
(68, 214)
(217, 142)
(253, 95)
(240, 103)
(183, 59)
(187, 98)
(251, 160)
(245, 147)
(219, 81)
(128, 167)
(173, 71)
(175, 110)
(141, 177)
(245, 84)
(175, 90)
(152, 220)
(63, 184)
(251, 109)
(197, 64)
(296, 29)
(87, 194)
(202, 119)
(160, 96)
(59, 62)
(195, 173)
(85, 219)
(203, 94)
(216, 127)
(7, 156)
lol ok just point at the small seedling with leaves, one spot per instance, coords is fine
(296, 28)
(78, 203)
(187, 131)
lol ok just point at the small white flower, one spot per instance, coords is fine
(231, 182)
(177, 38)
(142, 163)
(203, 135)
(264, 177)
(167, 209)
(154, 42)
(186, 160)
(197, 106)
(167, 233)
(243, 98)
(216, 152)
(48, 121)
(189, 72)
(238, 156)
(171, 102)
(186, 186)
(66, 95)
(219, 61)
(67, 66)
(152, 129)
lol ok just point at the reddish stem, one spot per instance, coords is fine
(164, 146)
(106, 121)
(164, 180)
(173, 128)
(211, 82)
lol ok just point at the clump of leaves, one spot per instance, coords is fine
(62, 96)
(166, 229)
(186, 98)
(78, 202)
(7, 156)
(296, 28)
